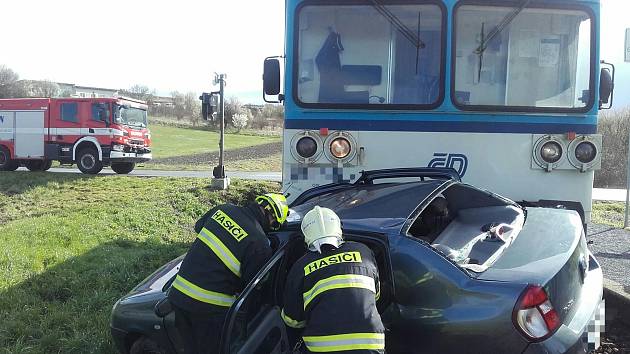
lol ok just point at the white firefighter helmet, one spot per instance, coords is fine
(321, 226)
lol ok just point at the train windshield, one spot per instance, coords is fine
(532, 59)
(369, 55)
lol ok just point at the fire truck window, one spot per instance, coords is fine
(99, 111)
(69, 112)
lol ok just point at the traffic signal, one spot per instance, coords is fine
(209, 105)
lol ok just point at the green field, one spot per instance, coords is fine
(171, 141)
(73, 244)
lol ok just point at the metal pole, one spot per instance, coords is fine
(625, 220)
(221, 140)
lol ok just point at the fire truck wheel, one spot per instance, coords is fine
(6, 163)
(34, 165)
(123, 168)
(88, 162)
(46, 165)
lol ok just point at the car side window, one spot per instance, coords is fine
(70, 112)
(252, 309)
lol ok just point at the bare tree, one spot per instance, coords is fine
(192, 107)
(178, 105)
(270, 115)
(9, 85)
(141, 92)
(614, 127)
(44, 88)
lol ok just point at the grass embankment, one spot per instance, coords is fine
(608, 213)
(73, 244)
(271, 163)
(180, 142)
(171, 141)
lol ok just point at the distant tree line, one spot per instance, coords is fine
(181, 106)
(186, 106)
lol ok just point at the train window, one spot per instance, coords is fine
(536, 58)
(369, 54)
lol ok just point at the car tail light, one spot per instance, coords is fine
(534, 315)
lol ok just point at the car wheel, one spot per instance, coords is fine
(88, 162)
(6, 163)
(123, 168)
(144, 345)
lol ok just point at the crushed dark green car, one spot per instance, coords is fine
(462, 270)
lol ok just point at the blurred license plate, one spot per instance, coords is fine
(593, 332)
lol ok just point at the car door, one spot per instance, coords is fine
(379, 245)
(253, 324)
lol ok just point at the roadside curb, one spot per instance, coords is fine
(617, 302)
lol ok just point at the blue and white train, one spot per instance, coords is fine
(505, 92)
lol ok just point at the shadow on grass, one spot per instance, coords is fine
(66, 309)
(18, 182)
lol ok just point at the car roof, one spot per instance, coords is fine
(382, 207)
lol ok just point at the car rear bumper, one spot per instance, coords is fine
(120, 156)
(574, 337)
(120, 340)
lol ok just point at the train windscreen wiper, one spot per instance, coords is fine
(502, 25)
(396, 22)
(414, 38)
(495, 32)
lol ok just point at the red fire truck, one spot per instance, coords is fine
(91, 132)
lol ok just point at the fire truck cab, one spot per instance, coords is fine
(91, 132)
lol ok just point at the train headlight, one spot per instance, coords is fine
(551, 152)
(306, 147)
(340, 148)
(585, 152)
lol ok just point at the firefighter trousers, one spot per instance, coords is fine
(200, 333)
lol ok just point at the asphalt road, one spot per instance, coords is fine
(611, 247)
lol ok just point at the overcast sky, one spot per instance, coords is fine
(177, 45)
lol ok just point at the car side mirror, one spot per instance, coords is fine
(271, 80)
(163, 308)
(606, 86)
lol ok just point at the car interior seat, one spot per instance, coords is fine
(432, 221)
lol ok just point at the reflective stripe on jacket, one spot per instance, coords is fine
(230, 248)
(345, 342)
(203, 295)
(332, 296)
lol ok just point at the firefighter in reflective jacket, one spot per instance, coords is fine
(230, 248)
(331, 291)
